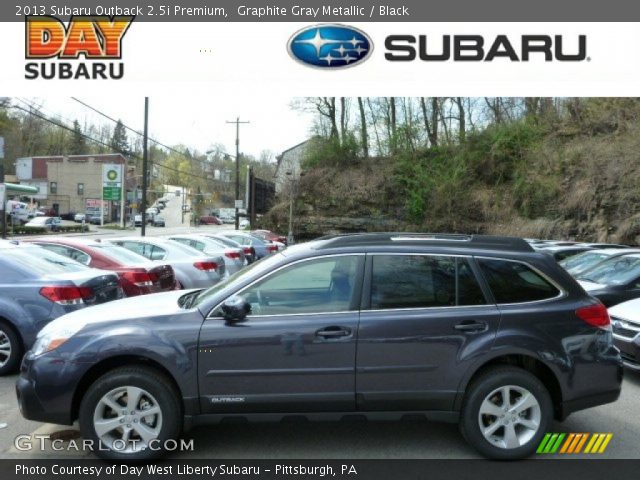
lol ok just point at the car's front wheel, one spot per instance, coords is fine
(130, 414)
(10, 349)
(506, 412)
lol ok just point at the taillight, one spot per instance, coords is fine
(140, 279)
(247, 250)
(595, 315)
(67, 294)
(232, 255)
(206, 266)
(272, 248)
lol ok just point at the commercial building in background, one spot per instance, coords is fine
(290, 161)
(69, 184)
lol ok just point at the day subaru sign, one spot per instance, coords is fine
(330, 46)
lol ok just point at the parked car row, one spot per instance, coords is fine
(610, 273)
(46, 277)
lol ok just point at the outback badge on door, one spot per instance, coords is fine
(330, 46)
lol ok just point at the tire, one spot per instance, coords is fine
(155, 393)
(510, 435)
(10, 349)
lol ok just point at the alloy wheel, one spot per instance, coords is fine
(127, 419)
(509, 417)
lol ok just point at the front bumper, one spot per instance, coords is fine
(45, 388)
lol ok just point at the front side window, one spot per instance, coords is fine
(423, 281)
(316, 286)
(514, 282)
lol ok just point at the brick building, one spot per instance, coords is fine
(67, 184)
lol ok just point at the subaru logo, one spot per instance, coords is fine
(330, 46)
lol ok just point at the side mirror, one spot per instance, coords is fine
(235, 309)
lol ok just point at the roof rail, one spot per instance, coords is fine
(487, 242)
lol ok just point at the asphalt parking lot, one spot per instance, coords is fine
(354, 440)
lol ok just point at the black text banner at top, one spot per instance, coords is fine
(336, 11)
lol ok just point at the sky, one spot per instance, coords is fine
(196, 122)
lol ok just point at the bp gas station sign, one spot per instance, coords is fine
(111, 182)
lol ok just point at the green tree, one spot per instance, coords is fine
(119, 142)
(78, 144)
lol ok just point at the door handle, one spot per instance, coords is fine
(471, 326)
(333, 332)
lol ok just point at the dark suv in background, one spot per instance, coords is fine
(471, 329)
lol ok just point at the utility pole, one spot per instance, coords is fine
(237, 197)
(145, 167)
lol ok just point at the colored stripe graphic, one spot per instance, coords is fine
(573, 443)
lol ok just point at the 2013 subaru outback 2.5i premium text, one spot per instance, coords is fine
(472, 329)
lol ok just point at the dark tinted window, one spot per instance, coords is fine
(419, 281)
(513, 282)
(469, 291)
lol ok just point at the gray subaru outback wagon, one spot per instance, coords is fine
(479, 330)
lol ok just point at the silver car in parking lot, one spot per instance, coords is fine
(233, 257)
(193, 269)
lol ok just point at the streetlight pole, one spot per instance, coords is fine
(237, 197)
(145, 166)
(290, 234)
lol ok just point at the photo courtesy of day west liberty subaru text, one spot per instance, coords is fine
(84, 48)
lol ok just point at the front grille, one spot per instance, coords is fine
(628, 357)
(624, 328)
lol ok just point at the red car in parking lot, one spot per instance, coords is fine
(138, 275)
(269, 236)
(210, 220)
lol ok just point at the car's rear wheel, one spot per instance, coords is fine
(130, 413)
(10, 349)
(506, 412)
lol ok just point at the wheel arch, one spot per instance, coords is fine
(108, 364)
(533, 365)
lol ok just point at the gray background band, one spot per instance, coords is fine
(419, 10)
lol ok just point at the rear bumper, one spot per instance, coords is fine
(571, 406)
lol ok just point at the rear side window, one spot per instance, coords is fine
(514, 282)
(422, 281)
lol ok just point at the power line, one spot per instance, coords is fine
(37, 114)
(171, 149)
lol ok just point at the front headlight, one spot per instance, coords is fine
(52, 336)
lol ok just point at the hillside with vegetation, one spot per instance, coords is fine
(532, 167)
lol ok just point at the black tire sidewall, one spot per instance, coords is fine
(16, 349)
(157, 385)
(479, 390)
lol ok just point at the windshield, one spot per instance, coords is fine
(261, 266)
(583, 260)
(120, 254)
(43, 262)
(615, 271)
